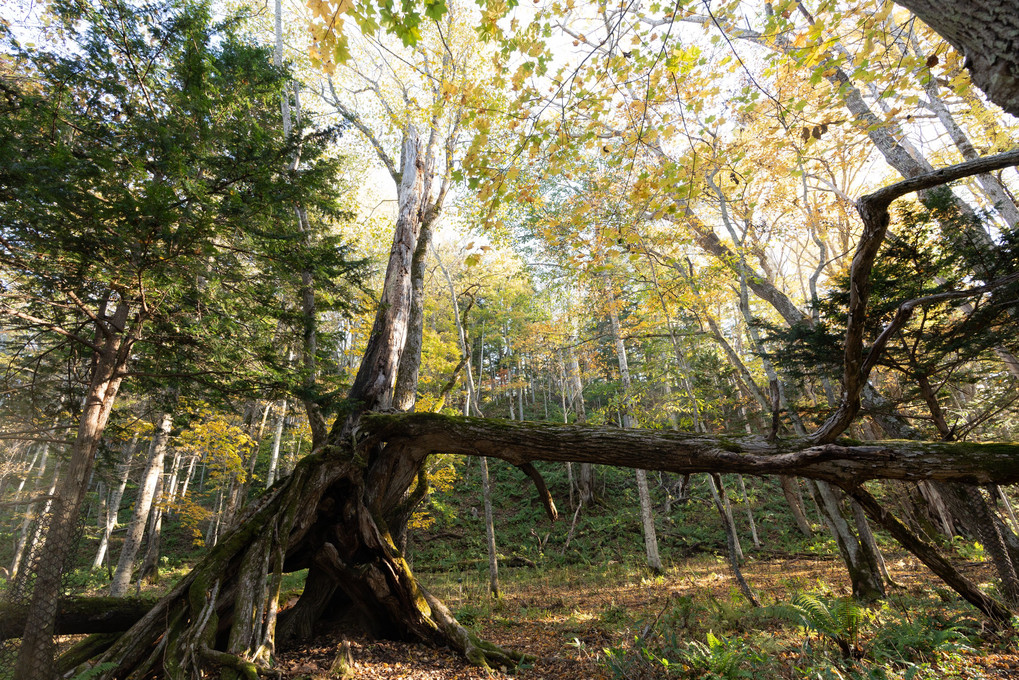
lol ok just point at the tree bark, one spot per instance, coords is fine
(35, 657)
(373, 384)
(790, 491)
(687, 453)
(149, 570)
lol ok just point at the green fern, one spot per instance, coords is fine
(838, 621)
(920, 638)
(719, 658)
(95, 671)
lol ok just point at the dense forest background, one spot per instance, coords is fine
(639, 217)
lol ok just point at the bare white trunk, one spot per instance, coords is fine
(646, 514)
(142, 507)
(116, 495)
(277, 437)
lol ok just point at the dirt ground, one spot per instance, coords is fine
(566, 618)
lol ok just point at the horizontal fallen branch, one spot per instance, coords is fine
(78, 616)
(846, 463)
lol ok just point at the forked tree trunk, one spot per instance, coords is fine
(331, 515)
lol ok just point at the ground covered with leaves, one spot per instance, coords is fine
(617, 621)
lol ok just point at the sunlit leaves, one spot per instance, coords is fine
(221, 445)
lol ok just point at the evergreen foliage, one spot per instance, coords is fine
(144, 162)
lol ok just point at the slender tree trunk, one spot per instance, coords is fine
(149, 570)
(728, 521)
(1008, 506)
(585, 473)
(731, 541)
(646, 512)
(142, 507)
(493, 558)
(750, 511)
(116, 495)
(277, 437)
(183, 493)
(212, 534)
(790, 489)
(863, 572)
(32, 529)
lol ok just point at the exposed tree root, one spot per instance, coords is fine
(89, 648)
(331, 516)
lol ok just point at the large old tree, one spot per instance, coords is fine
(341, 511)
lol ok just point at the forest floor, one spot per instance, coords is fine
(583, 622)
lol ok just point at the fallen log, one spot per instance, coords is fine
(844, 462)
(80, 616)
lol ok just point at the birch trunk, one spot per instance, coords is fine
(116, 495)
(142, 507)
(277, 437)
(646, 513)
